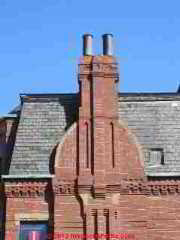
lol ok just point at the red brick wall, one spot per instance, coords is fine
(144, 214)
(99, 185)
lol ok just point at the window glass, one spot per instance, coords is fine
(156, 156)
(33, 231)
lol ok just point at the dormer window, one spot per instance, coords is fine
(156, 156)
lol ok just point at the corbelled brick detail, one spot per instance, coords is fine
(98, 149)
(99, 185)
(98, 155)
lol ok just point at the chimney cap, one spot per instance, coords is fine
(87, 35)
(107, 34)
(107, 44)
(87, 44)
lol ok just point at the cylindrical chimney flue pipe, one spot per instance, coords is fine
(108, 44)
(87, 44)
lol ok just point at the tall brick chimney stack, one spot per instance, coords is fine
(98, 150)
(98, 110)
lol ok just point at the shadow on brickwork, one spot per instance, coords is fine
(52, 160)
(82, 213)
(49, 198)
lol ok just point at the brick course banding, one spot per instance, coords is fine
(82, 161)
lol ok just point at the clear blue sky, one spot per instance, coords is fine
(40, 43)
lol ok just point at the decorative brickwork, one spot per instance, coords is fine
(93, 164)
(25, 189)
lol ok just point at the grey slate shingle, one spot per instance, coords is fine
(153, 118)
(42, 124)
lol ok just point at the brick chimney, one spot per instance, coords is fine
(98, 76)
(107, 151)
(98, 150)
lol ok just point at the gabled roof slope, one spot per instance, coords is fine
(153, 117)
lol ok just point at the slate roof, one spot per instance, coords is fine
(155, 120)
(44, 120)
(153, 117)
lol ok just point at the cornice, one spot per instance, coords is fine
(32, 189)
(19, 189)
(154, 188)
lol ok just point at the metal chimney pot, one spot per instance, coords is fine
(87, 44)
(107, 44)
